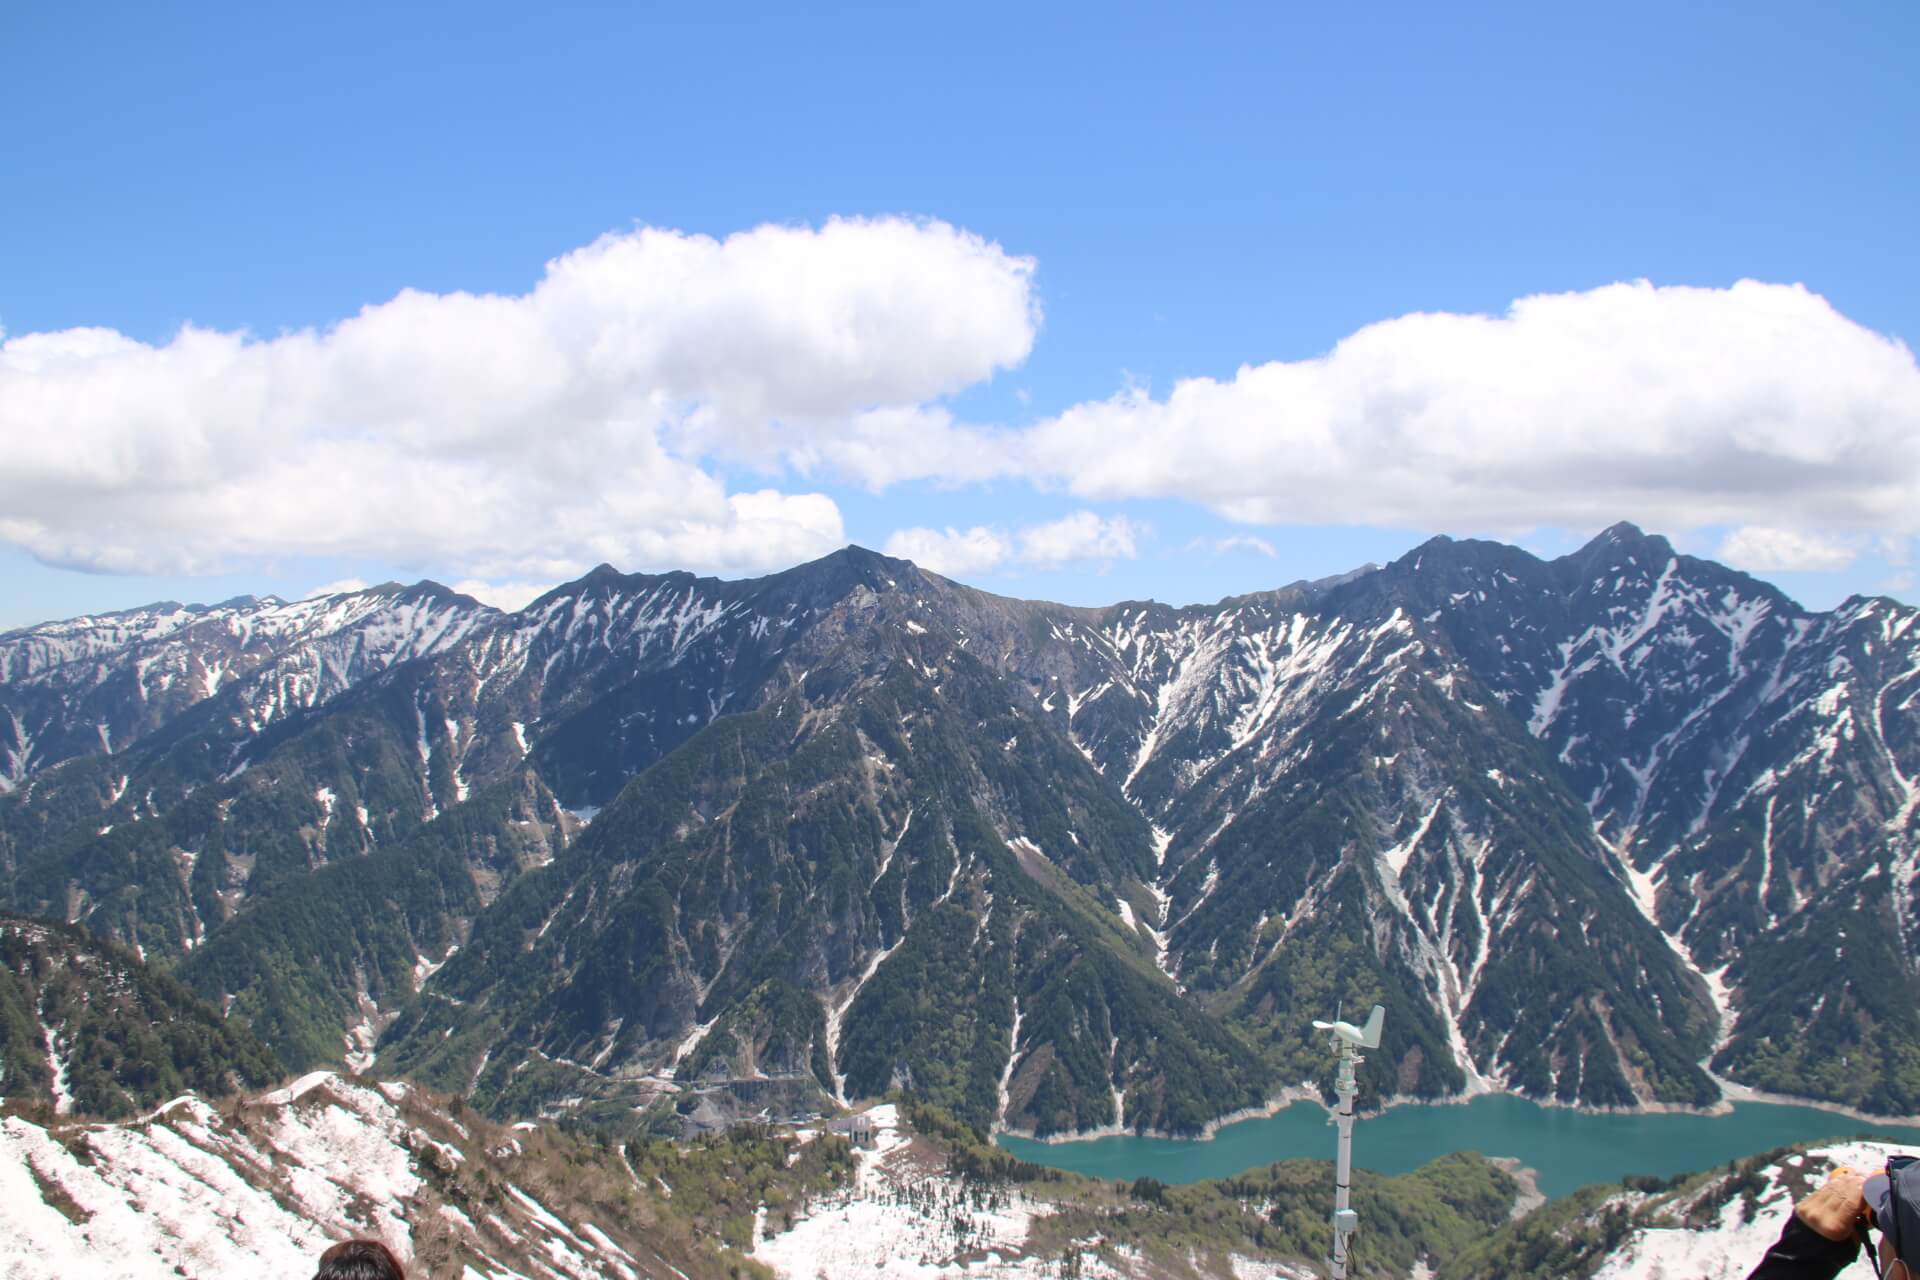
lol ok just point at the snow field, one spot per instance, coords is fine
(905, 1218)
(898, 1220)
(188, 1191)
(1732, 1247)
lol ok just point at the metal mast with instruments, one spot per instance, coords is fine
(1348, 1040)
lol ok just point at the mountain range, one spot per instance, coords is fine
(1620, 828)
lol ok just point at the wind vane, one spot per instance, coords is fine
(1348, 1040)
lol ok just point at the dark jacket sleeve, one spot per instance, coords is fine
(1801, 1253)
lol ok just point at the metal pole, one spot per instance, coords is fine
(1348, 1040)
(1345, 1220)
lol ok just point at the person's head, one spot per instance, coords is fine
(359, 1260)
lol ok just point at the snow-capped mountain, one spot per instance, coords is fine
(1595, 829)
(87, 685)
(1328, 768)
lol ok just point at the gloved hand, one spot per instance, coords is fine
(1837, 1210)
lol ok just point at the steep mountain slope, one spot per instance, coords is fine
(93, 684)
(324, 787)
(233, 800)
(85, 1028)
(1589, 827)
(1749, 763)
(264, 1184)
(863, 885)
(1350, 815)
(596, 680)
(322, 966)
(1671, 695)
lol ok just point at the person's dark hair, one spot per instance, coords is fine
(359, 1260)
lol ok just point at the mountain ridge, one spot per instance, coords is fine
(1506, 790)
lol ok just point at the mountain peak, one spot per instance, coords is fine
(1624, 533)
(1441, 553)
(604, 579)
(1622, 547)
(852, 563)
(855, 554)
(439, 593)
(1616, 544)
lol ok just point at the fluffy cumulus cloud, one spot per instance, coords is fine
(957, 553)
(520, 439)
(1076, 538)
(520, 436)
(1676, 407)
(1763, 549)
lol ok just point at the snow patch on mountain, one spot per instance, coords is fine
(1013, 1057)
(57, 1061)
(263, 1188)
(837, 1011)
(146, 666)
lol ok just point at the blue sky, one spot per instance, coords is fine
(1088, 204)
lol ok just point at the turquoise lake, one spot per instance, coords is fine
(1570, 1149)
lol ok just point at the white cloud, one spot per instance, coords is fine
(881, 447)
(1676, 407)
(521, 439)
(952, 552)
(1080, 536)
(1245, 542)
(520, 436)
(1761, 549)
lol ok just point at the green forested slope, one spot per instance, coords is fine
(85, 1025)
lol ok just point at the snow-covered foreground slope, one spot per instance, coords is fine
(261, 1188)
(1714, 1225)
(901, 1217)
(905, 1216)
(1734, 1228)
